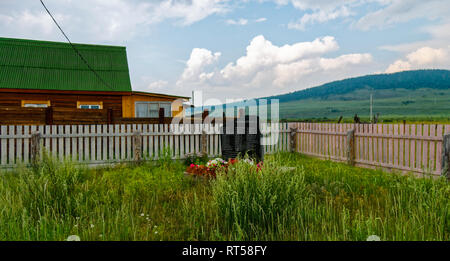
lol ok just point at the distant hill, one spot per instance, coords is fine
(421, 95)
(409, 80)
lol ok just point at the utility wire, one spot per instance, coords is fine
(75, 49)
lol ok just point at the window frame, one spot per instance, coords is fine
(35, 102)
(136, 103)
(90, 103)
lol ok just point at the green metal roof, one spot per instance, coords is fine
(42, 65)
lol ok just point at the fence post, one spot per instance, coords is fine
(351, 147)
(137, 147)
(446, 156)
(204, 147)
(293, 139)
(35, 147)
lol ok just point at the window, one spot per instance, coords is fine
(35, 104)
(90, 105)
(151, 109)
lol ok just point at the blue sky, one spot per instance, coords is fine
(247, 48)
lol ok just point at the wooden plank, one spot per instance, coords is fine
(176, 151)
(432, 151)
(60, 143)
(395, 144)
(371, 142)
(407, 131)
(181, 138)
(26, 145)
(145, 141)
(104, 150)
(171, 141)
(216, 140)
(111, 148)
(67, 142)
(425, 147)
(123, 152)
(151, 141)
(156, 141)
(74, 151)
(47, 141)
(385, 144)
(54, 147)
(81, 148)
(19, 142)
(412, 148)
(419, 148)
(439, 133)
(93, 144)
(11, 145)
(86, 144)
(129, 130)
(401, 144)
(161, 140)
(186, 139)
(166, 138)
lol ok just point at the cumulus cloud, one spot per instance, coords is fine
(260, 20)
(267, 68)
(422, 58)
(199, 59)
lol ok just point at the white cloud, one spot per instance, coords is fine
(422, 58)
(260, 20)
(266, 69)
(199, 59)
(321, 16)
(100, 20)
(189, 11)
(395, 11)
(157, 86)
(241, 21)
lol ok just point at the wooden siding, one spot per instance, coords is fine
(62, 101)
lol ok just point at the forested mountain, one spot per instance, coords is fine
(409, 80)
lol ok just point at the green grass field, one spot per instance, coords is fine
(319, 200)
(422, 105)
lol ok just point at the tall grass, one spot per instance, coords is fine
(315, 200)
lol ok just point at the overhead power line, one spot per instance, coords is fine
(75, 49)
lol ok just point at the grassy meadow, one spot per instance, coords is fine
(318, 200)
(393, 105)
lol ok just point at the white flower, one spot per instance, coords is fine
(373, 238)
(156, 232)
(92, 225)
(73, 238)
(142, 214)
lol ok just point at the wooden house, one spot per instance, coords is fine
(38, 75)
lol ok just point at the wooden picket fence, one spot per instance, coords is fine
(403, 147)
(103, 144)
